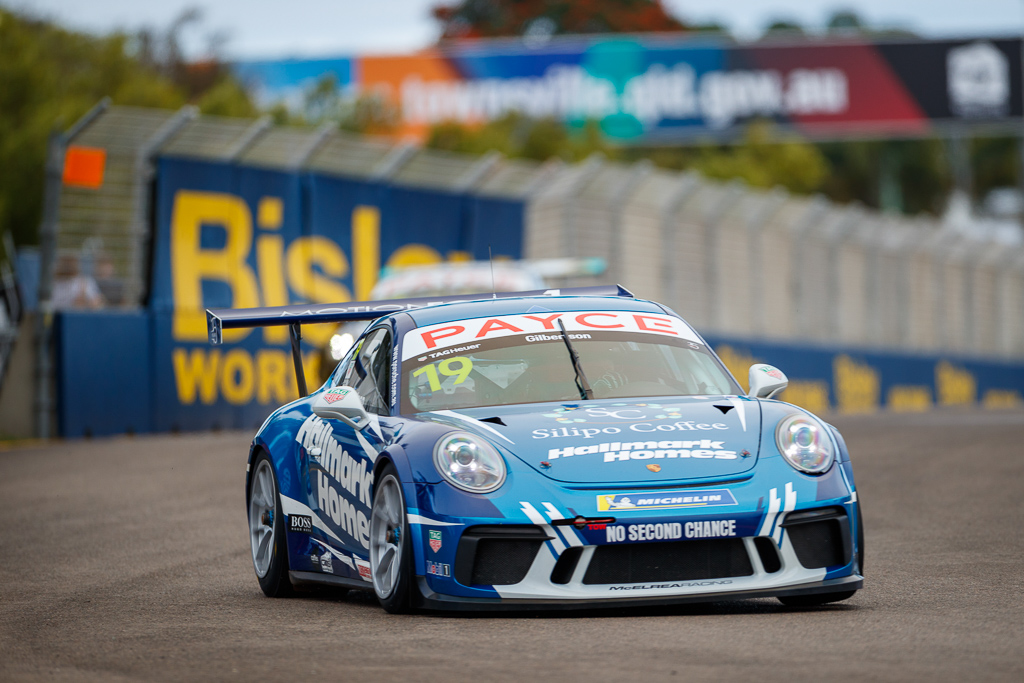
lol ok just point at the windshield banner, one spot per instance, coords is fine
(539, 327)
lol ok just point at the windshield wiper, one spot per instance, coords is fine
(586, 393)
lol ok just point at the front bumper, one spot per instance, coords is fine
(760, 512)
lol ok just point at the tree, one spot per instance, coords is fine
(49, 77)
(543, 18)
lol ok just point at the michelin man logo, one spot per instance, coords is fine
(978, 80)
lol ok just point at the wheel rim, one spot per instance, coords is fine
(261, 517)
(386, 531)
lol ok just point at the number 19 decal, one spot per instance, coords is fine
(447, 368)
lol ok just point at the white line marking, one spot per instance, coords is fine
(473, 421)
(773, 510)
(740, 410)
(556, 543)
(568, 533)
(420, 519)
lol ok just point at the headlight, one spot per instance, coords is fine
(804, 443)
(469, 462)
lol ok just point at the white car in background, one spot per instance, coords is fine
(463, 277)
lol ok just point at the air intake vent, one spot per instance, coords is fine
(497, 555)
(675, 561)
(821, 538)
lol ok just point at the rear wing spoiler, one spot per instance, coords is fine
(220, 319)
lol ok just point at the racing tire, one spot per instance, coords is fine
(267, 530)
(391, 566)
(815, 599)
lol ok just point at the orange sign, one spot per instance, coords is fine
(84, 166)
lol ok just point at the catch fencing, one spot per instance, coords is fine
(769, 265)
(863, 310)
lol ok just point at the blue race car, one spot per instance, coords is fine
(560, 449)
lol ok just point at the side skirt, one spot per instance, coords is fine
(313, 578)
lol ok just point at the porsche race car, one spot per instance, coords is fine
(553, 449)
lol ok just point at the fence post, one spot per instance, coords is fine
(712, 219)
(618, 201)
(760, 215)
(135, 289)
(687, 187)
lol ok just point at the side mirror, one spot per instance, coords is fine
(766, 381)
(341, 403)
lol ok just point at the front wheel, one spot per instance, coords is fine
(267, 531)
(390, 545)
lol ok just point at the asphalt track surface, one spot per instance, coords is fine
(128, 559)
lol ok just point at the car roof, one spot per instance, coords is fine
(432, 315)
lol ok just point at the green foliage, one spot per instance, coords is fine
(227, 98)
(517, 136)
(540, 19)
(759, 159)
(49, 77)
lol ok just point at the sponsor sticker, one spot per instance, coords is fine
(302, 524)
(670, 531)
(433, 339)
(655, 586)
(435, 540)
(364, 569)
(772, 372)
(621, 451)
(335, 395)
(439, 568)
(665, 500)
(327, 563)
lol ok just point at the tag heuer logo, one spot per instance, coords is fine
(334, 396)
(435, 540)
(302, 524)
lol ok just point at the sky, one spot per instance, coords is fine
(261, 29)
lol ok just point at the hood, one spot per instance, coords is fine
(623, 441)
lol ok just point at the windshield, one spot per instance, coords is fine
(513, 368)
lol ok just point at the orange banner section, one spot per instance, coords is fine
(389, 76)
(84, 166)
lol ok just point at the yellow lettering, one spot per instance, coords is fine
(738, 364)
(812, 395)
(414, 255)
(1002, 398)
(236, 383)
(909, 399)
(954, 386)
(858, 387)
(191, 264)
(196, 371)
(365, 250)
(270, 213)
(272, 369)
(270, 260)
(303, 254)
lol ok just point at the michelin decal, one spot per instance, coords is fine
(665, 500)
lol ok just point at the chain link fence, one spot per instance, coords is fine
(730, 259)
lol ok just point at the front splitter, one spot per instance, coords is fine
(428, 599)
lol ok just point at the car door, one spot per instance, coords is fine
(342, 483)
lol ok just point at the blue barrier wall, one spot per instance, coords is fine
(824, 379)
(109, 374)
(234, 236)
(103, 373)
